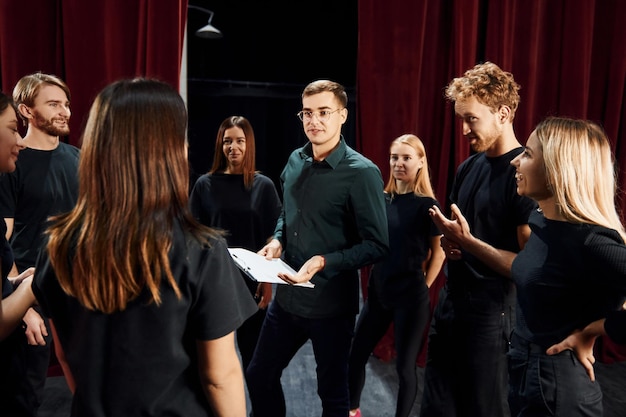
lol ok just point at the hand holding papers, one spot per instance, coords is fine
(263, 270)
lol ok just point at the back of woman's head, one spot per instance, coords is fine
(133, 187)
(134, 154)
(580, 170)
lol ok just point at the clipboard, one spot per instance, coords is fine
(263, 270)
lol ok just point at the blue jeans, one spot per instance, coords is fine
(542, 385)
(282, 335)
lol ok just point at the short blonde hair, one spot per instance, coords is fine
(27, 88)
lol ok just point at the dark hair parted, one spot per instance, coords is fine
(133, 189)
(220, 163)
(6, 102)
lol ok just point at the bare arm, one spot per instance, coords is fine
(457, 231)
(35, 326)
(13, 307)
(435, 261)
(264, 294)
(60, 354)
(221, 376)
(10, 223)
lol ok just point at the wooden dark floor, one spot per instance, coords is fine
(379, 394)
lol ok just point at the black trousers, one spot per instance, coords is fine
(23, 372)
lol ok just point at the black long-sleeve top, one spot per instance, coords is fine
(567, 276)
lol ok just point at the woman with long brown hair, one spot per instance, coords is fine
(143, 300)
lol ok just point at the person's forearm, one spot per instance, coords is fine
(228, 397)
(497, 259)
(595, 329)
(434, 265)
(13, 308)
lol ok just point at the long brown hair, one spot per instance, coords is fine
(220, 163)
(133, 188)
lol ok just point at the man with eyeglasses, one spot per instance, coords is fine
(333, 222)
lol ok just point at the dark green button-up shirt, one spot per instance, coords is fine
(334, 208)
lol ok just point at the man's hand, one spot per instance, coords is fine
(453, 230)
(272, 250)
(306, 273)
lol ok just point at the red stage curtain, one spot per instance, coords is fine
(91, 44)
(568, 55)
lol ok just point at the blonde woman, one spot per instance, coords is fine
(398, 285)
(570, 276)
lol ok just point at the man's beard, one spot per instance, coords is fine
(48, 126)
(486, 140)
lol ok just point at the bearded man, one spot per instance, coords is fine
(44, 183)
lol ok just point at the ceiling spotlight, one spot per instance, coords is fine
(209, 31)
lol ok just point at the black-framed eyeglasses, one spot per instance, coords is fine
(322, 115)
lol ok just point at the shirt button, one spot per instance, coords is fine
(295, 233)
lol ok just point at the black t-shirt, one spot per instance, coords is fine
(247, 215)
(44, 183)
(485, 190)
(143, 360)
(399, 278)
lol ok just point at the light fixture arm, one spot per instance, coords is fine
(209, 31)
(202, 9)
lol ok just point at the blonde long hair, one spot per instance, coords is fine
(133, 189)
(580, 170)
(421, 183)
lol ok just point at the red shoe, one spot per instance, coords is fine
(357, 413)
